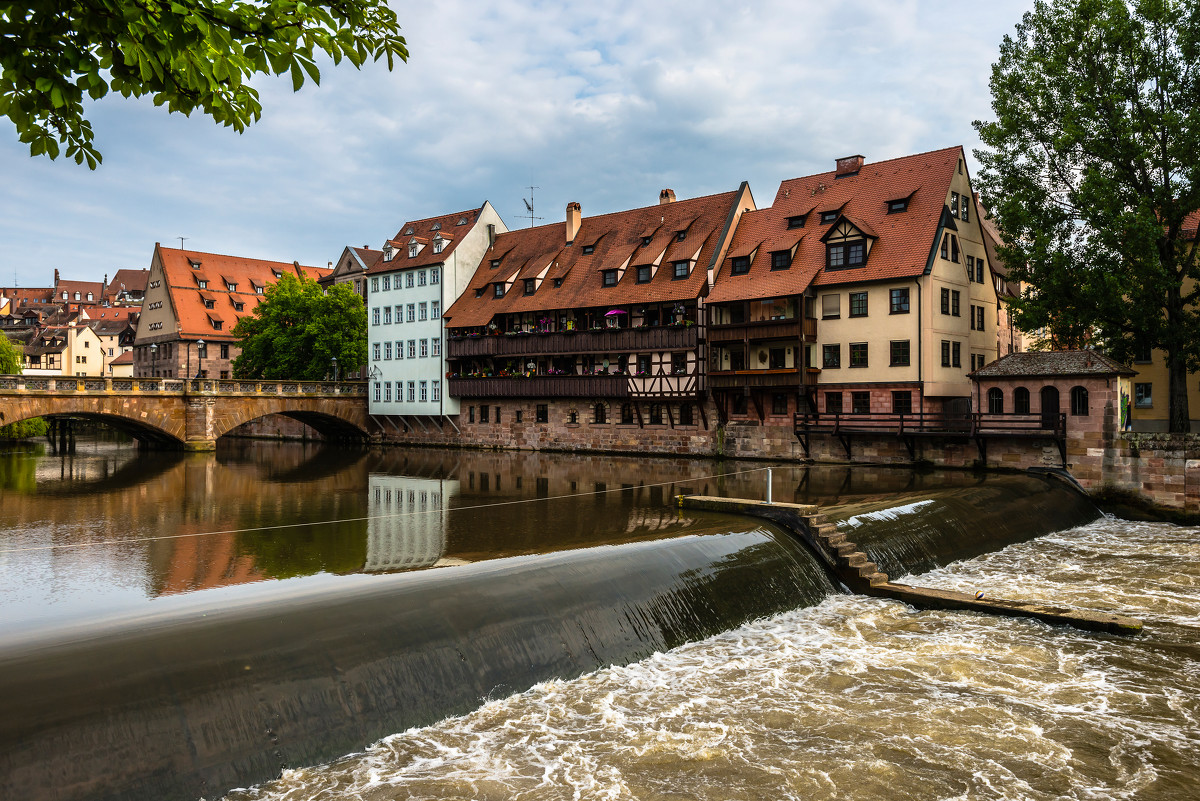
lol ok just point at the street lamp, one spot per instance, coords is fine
(333, 364)
(199, 357)
(153, 358)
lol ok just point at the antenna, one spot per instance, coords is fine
(529, 207)
(181, 241)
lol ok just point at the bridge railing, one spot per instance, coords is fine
(204, 386)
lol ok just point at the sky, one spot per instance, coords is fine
(602, 103)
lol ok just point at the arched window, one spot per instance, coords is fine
(626, 414)
(1021, 400)
(1079, 401)
(600, 414)
(995, 401)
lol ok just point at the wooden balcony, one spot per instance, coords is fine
(794, 329)
(541, 386)
(780, 379)
(606, 340)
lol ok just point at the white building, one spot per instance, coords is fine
(407, 525)
(423, 270)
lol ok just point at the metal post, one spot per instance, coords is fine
(769, 485)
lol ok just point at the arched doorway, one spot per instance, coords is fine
(1050, 409)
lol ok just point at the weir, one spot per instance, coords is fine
(206, 692)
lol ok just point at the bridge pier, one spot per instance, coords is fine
(200, 445)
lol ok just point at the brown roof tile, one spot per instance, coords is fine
(1038, 364)
(617, 241)
(452, 230)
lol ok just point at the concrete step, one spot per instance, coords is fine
(877, 579)
(846, 548)
(858, 559)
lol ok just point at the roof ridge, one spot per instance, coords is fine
(867, 164)
(231, 256)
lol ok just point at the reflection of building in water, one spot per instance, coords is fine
(407, 525)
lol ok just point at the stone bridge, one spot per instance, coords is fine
(191, 414)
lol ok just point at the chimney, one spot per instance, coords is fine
(666, 196)
(491, 234)
(56, 276)
(850, 165)
(574, 212)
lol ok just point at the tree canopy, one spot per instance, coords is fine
(11, 364)
(185, 54)
(297, 330)
(10, 359)
(1090, 168)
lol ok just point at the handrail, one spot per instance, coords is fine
(85, 385)
(972, 424)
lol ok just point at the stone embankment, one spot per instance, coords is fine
(854, 569)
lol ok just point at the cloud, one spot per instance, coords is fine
(602, 103)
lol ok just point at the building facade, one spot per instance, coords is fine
(419, 274)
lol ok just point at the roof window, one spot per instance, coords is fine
(495, 263)
(436, 227)
(897, 206)
(740, 265)
(462, 221)
(589, 250)
(829, 216)
(646, 240)
(408, 231)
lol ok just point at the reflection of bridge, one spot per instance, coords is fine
(191, 414)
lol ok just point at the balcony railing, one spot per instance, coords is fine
(764, 329)
(734, 379)
(604, 340)
(971, 424)
(540, 386)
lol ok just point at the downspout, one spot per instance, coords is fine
(920, 348)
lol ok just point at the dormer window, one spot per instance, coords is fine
(498, 289)
(76, 296)
(646, 241)
(479, 292)
(216, 324)
(258, 290)
(679, 269)
(644, 274)
(408, 231)
(277, 274)
(195, 265)
(740, 265)
(589, 250)
(436, 227)
(495, 263)
(608, 277)
(232, 287)
(897, 206)
(781, 259)
(438, 244)
(89, 296)
(680, 236)
(200, 282)
(530, 286)
(412, 250)
(796, 221)
(238, 305)
(557, 283)
(208, 303)
(841, 255)
(828, 216)
(462, 221)
(387, 252)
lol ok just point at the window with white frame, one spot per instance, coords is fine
(408, 279)
(437, 391)
(435, 309)
(435, 346)
(412, 348)
(412, 391)
(375, 354)
(387, 391)
(424, 348)
(386, 282)
(387, 351)
(435, 276)
(424, 391)
(387, 315)
(422, 311)
(378, 391)
(375, 316)
(399, 348)
(420, 278)
(412, 312)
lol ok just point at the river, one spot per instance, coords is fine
(842, 697)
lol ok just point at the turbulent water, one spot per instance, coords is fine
(855, 699)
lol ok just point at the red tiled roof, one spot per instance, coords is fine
(126, 280)
(424, 231)
(186, 296)
(124, 358)
(1044, 364)
(617, 241)
(82, 287)
(902, 240)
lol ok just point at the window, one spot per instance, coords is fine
(470, 414)
(209, 303)
(530, 286)
(679, 269)
(412, 391)
(375, 316)
(589, 250)
(899, 301)
(412, 312)
(1143, 354)
(424, 348)
(435, 346)
(833, 402)
(1079, 401)
(831, 356)
(945, 353)
(1021, 400)
(971, 319)
(495, 263)
(846, 254)
(946, 246)
(858, 354)
(258, 290)
(436, 387)
(412, 348)
(626, 414)
(955, 303)
(387, 315)
(828, 216)
(435, 309)
(200, 283)
(646, 241)
(978, 318)
(387, 350)
(437, 245)
(435, 276)
(498, 289)
(858, 304)
(386, 283)
(945, 300)
(954, 249)
(608, 277)
(375, 353)
(678, 363)
(900, 353)
(387, 391)
(572, 417)
(599, 414)
(422, 311)
(995, 398)
(399, 348)
(901, 402)
(956, 350)
(408, 279)
(966, 215)
(685, 415)
(238, 305)
(796, 221)
(831, 307)
(953, 204)
(860, 402)
(979, 263)
(413, 249)
(542, 414)
(779, 403)
(399, 313)
(740, 265)
(781, 259)
(897, 206)
(378, 389)
(643, 274)
(420, 278)
(970, 268)
(485, 414)
(424, 392)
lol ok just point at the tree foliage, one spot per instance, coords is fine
(297, 330)
(1091, 170)
(10, 364)
(185, 54)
